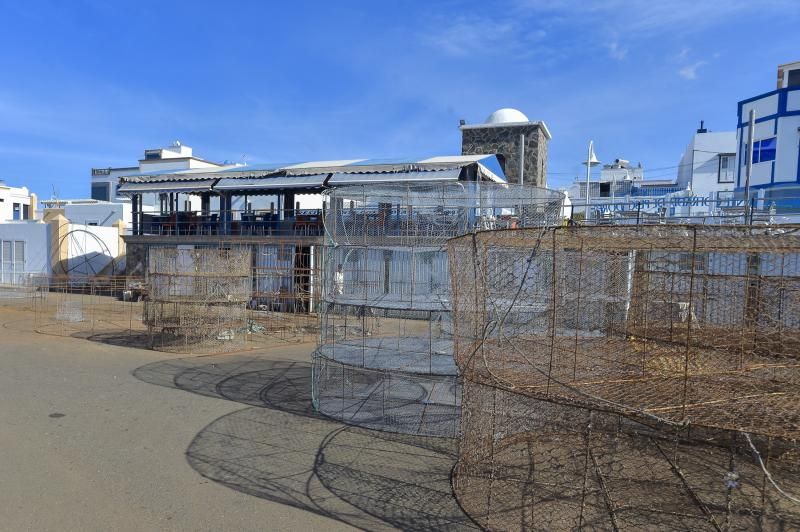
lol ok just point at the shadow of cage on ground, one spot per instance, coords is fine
(281, 450)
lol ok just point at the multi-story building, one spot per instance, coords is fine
(16, 203)
(616, 181)
(708, 166)
(285, 234)
(174, 158)
(776, 144)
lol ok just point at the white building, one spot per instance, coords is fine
(174, 158)
(16, 203)
(24, 251)
(617, 180)
(708, 168)
(776, 147)
(92, 212)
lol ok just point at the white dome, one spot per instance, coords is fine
(506, 115)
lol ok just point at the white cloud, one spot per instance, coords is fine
(472, 36)
(649, 17)
(616, 51)
(690, 71)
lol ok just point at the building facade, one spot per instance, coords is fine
(708, 166)
(16, 203)
(173, 158)
(776, 143)
(93, 212)
(520, 145)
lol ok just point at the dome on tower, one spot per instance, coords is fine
(506, 115)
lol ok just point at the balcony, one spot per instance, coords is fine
(300, 223)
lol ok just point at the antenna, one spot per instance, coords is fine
(54, 195)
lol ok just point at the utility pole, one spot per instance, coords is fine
(591, 160)
(751, 133)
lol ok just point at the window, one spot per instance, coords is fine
(16, 211)
(763, 151)
(7, 270)
(101, 191)
(605, 190)
(794, 78)
(19, 257)
(26, 212)
(726, 167)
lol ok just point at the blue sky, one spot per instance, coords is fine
(94, 83)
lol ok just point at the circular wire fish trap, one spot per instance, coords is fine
(629, 377)
(197, 299)
(385, 358)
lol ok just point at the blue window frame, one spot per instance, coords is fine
(763, 150)
(766, 150)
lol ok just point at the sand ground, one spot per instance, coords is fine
(98, 435)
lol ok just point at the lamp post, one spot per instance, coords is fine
(591, 161)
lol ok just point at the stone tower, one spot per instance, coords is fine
(505, 133)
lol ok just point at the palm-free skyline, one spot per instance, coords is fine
(94, 83)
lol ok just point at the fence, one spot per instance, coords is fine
(629, 377)
(385, 354)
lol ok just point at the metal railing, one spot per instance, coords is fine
(304, 222)
(684, 210)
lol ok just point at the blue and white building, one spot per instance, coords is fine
(776, 148)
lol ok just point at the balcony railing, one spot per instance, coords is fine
(304, 222)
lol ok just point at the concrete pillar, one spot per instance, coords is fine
(34, 206)
(59, 245)
(120, 225)
(136, 213)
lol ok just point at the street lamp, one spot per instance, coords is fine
(591, 161)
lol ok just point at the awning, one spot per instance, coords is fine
(394, 177)
(166, 186)
(254, 184)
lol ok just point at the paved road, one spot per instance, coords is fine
(97, 436)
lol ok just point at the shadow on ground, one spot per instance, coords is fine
(282, 451)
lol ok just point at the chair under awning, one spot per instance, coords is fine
(269, 184)
(158, 187)
(342, 178)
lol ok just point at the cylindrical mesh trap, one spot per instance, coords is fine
(385, 358)
(629, 377)
(197, 298)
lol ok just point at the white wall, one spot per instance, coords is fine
(33, 239)
(90, 248)
(103, 214)
(8, 197)
(700, 164)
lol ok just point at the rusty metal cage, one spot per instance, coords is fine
(198, 298)
(629, 377)
(385, 358)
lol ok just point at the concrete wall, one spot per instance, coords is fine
(505, 141)
(33, 239)
(104, 214)
(14, 195)
(700, 164)
(90, 249)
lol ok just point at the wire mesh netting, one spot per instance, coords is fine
(385, 358)
(629, 377)
(198, 298)
(89, 307)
